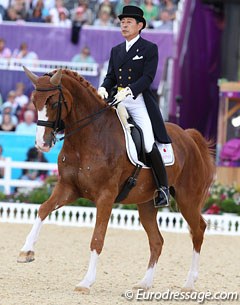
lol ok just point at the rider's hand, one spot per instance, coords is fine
(103, 92)
(122, 94)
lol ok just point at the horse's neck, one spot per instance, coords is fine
(85, 104)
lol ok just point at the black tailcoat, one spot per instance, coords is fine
(136, 69)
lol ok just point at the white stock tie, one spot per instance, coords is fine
(128, 46)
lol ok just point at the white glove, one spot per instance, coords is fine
(103, 92)
(122, 94)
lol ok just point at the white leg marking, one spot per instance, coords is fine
(193, 272)
(147, 280)
(42, 115)
(32, 236)
(90, 276)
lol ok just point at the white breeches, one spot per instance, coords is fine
(137, 109)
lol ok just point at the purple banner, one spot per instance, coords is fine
(199, 71)
(54, 43)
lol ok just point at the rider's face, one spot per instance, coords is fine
(130, 27)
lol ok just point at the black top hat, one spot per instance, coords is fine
(133, 12)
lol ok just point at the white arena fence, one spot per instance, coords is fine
(227, 224)
(121, 219)
(8, 165)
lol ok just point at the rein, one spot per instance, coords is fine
(58, 124)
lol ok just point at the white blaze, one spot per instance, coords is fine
(42, 115)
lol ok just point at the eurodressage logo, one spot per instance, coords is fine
(199, 297)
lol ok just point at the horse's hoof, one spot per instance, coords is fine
(82, 290)
(26, 257)
(187, 289)
(140, 286)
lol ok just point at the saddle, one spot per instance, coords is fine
(134, 133)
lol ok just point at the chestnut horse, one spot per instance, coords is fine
(93, 164)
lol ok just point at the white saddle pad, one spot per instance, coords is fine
(165, 149)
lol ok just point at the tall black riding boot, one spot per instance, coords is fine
(160, 176)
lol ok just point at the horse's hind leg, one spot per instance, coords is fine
(148, 213)
(197, 227)
(27, 252)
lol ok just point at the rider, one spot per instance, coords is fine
(132, 67)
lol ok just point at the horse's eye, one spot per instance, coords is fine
(54, 105)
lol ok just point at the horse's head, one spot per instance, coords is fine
(53, 103)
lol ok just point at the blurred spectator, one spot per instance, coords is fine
(48, 4)
(28, 126)
(84, 56)
(11, 99)
(165, 23)
(40, 5)
(82, 14)
(28, 106)
(7, 108)
(54, 13)
(33, 155)
(4, 51)
(11, 14)
(1, 159)
(24, 53)
(21, 99)
(106, 5)
(104, 19)
(168, 5)
(20, 8)
(150, 11)
(7, 123)
(63, 17)
(36, 15)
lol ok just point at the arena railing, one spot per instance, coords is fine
(43, 66)
(23, 213)
(8, 165)
(226, 224)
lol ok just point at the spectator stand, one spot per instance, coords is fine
(59, 47)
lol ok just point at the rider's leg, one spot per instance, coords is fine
(160, 176)
(137, 109)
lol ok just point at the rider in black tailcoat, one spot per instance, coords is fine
(132, 68)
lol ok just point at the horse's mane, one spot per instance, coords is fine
(82, 81)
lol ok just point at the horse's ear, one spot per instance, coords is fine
(33, 77)
(56, 78)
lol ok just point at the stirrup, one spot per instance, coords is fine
(161, 197)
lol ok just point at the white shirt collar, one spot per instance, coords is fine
(131, 42)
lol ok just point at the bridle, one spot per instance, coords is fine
(58, 125)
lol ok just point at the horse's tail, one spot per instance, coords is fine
(207, 153)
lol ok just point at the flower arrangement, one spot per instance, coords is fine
(223, 199)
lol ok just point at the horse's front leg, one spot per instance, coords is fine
(104, 209)
(27, 252)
